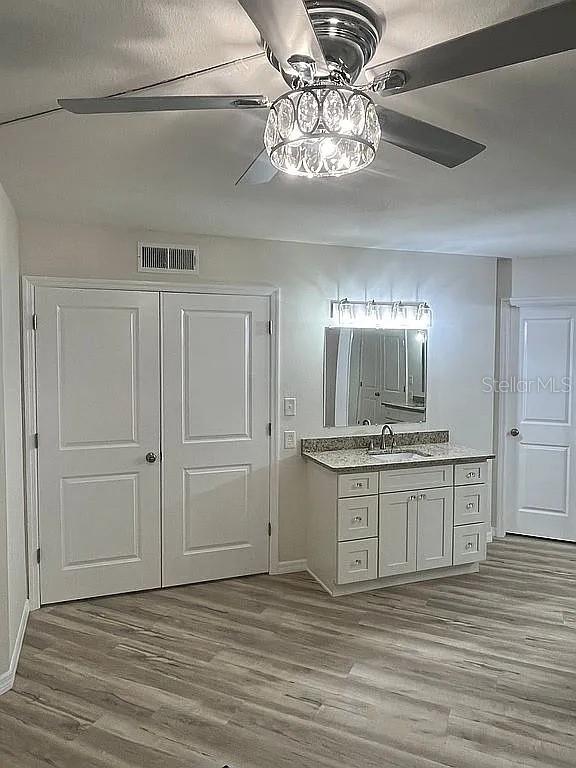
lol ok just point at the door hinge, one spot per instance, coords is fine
(269, 529)
(38, 555)
(36, 440)
(270, 327)
(269, 429)
(34, 322)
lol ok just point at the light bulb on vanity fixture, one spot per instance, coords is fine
(382, 314)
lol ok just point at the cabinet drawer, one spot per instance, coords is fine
(357, 560)
(469, 543)
(358, 484)
(357, 518)
(392, 480)
(471, 504)
(467, 474)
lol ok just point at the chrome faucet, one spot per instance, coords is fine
(387, 428)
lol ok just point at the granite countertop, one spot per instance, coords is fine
(354, 459)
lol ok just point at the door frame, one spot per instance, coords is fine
(29, 285)
(506, 403)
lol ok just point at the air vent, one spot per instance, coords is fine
(153, 257)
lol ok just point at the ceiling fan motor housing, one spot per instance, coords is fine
(349, 34)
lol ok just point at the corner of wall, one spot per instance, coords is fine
(7, 678)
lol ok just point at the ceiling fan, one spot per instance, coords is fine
(327, 124)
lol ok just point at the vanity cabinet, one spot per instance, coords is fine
(389, 526)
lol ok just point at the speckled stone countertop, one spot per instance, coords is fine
(354, 459)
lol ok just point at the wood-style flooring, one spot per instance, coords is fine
(475, 671)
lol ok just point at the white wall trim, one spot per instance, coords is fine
(248, 289)
(289, 566)
(554, 301)
(7, 679)
(29, 283)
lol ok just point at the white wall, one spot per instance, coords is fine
(461, 291)
(13, 585)
(544, 277)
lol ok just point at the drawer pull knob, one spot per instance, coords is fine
(357, 519)
(422, 496)
(357, 562)
(413, 497)
(470, 505)
(359, 485)
(471, 474)
(469, 545)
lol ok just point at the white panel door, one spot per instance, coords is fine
(393, 356)
(541, 455)
(98, 381)
(216, 462)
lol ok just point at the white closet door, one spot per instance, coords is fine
(543, 445)
(98, 416)
(216, 455)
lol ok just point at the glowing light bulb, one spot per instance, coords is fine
(328, 148)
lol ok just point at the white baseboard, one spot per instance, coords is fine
(290, 566)
(7, 678)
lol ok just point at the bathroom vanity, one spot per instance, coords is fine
(419, 512)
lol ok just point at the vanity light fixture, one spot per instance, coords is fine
(381, 314)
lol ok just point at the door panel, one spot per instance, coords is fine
(397, 534)
(435, 528)
(393, 361)
(216, 447)
(540, 458)
(98, 415)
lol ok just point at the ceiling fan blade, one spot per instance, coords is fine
(110, 104)
(286, 27)
(540, 33)
(427, 140)
(260, 170)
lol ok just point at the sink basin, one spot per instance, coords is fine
(396, 455)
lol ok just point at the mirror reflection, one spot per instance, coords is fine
(374, 376)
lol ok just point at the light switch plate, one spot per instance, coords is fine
(289, 406)
(289, 439)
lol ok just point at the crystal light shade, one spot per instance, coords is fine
(322, 130)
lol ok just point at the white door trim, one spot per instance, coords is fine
(29, 284)
(508, 334)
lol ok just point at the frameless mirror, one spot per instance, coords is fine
(374, 376)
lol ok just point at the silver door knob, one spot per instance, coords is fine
(514, 432)
(151, 457)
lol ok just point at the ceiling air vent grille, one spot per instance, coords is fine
(153, 257)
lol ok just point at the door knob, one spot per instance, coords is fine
(151, 457)
(514, 432)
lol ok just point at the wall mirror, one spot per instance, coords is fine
(374, 376)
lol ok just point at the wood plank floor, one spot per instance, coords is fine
(476, 671)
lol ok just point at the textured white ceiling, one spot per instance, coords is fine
(176, 172)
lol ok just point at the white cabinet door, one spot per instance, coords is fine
(435, 527)
(397, 533)
(216, 464)
(540, 475)
(98, 382)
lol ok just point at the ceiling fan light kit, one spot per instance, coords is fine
(322, 130)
